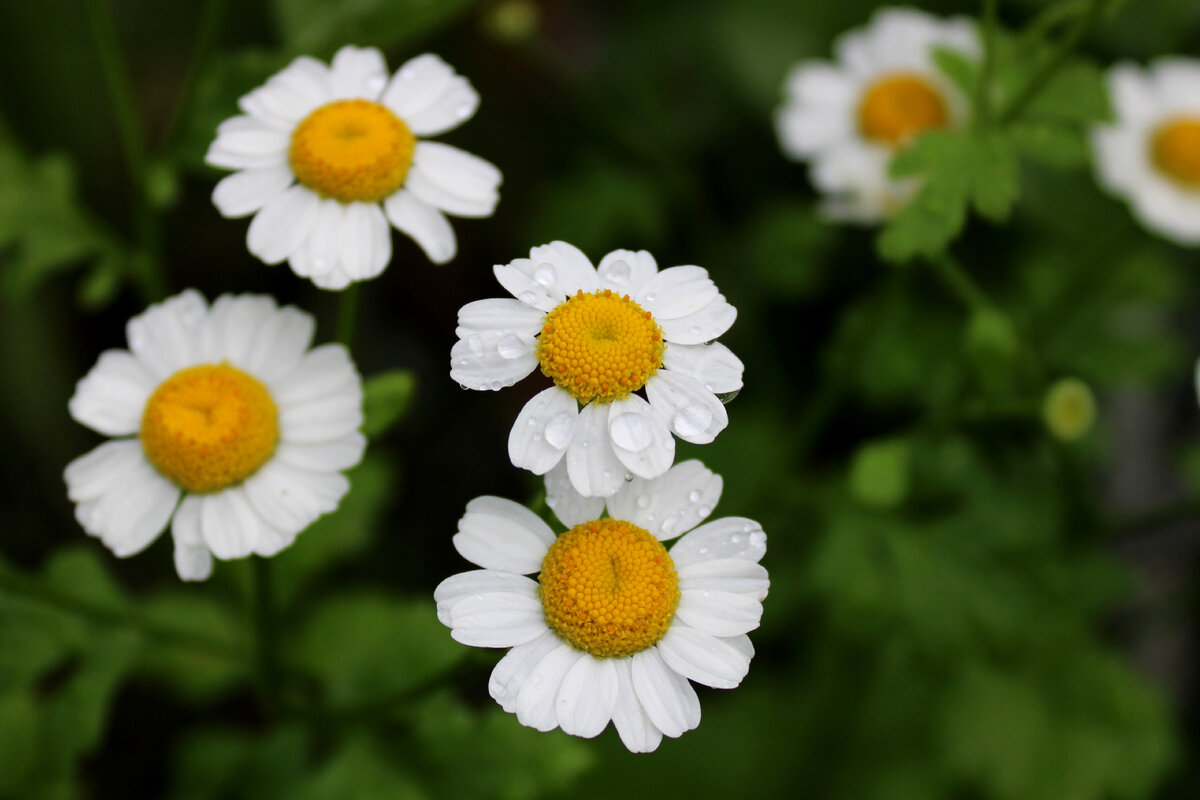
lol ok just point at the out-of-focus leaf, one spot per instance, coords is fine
(962, 70)
(19, 733)
(1075, 93)
(318, 27)
(1051, 143)
(790, 249)
(215, 99)
(229, 764)
(194, 673)
(360, 772)
(879, 472)
(386, 399)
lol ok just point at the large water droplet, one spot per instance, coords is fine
(630, 432)
(475, 343)
(619, 271)
(558, 430)
(726, 397)
(511, 346)
(691, 420)
(545, 274)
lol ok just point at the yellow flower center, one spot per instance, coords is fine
(1176, 150)
(600, 346)
(896, 108)
(352, 150)
(209, 427)
(608, 588)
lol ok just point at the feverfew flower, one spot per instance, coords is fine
(328, 155)
(848, 118)
(227, 407)
(1150, 155)
(614, 625)
(601, 334)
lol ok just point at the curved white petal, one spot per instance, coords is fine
(291, 498)
(542, 430)
(96, 472)
(247, 191)
(228, 523)
(322, 372)
(704, 658)
(587, 696)
(193, 561)
(638, 733)
(693, 413)
(492, 360)
(422, 222)
(499, 534)
(719, 613)
(513, 671)
(592, 466)
(453, 105)
(318, 256)
(668, 699)
(728, 537)
(357, 72)
(671, 504)
(497, 619)
(282, 340)
(677, 292)
(459, 587)
(626, 271)
(165, 337)
(453, 180)
(640, 437)
(276, 105)
(322, 420)
(338, 454)
(233, 326)
(563, 270)
(110, 399)
(282, 225)
(535, 705)
(701, 326)
(568, 505)
(423, 89)
(713, 365)
(737, 575)
(127, 510)
(364, 243)
(499, 314)
(308, 80)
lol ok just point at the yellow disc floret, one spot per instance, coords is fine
(600, 346)
(608, 588)
(1176, 150)
(209, 427)
(896, 108)
(352, 150)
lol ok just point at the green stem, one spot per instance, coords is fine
(347, 314)
(960, 282)
(983, 89)
(206, 30)
(133, 142)
(1038, 80)
(1048, 19)
(266, 632)
(38, 591)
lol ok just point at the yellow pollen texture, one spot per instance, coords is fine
(608, 588)
(896, 108)
(1176, 150)
(209, 427)
(600, 346)
(352, 150)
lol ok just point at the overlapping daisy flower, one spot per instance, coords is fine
(601, 335)
(1150, 154)
(327, 156)
(227, 408)
(615, 625)
(847, 118)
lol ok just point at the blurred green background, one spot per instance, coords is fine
(962, 605)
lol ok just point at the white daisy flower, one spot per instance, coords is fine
(1151, 154)
(848, 118)
(614, 625)
(328, 155)
(226, 407)
(601, 334)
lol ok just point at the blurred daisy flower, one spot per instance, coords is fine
(601, 334)
(328, 155)
(1151, 154)
(226, 407)
(848, 118)
(614, 625)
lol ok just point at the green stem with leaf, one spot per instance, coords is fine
(1040, 77)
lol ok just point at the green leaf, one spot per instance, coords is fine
(961, 69)
(1075, 93)
(19, 721)
(192, 672)
(360, 772)
(387, 397)
(220, 763)
(879, 472)
(1054, 144)
(320, 26)
(995, 178)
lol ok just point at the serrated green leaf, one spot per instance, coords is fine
(320, 26)
(386, 399)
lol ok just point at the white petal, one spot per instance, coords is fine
(536, 704)
(308, 79)
(542, 431)
(357, 72)
(454, 105)
(677, 292)
(726, 575)
(728, 537)
(517, 276)
(513, 671)
(417, 85)
(318, 257)
(426, 225)
(499, 534)
(338, 454)
(250, 138)
(165, 336)
(719, 613)
(587, 696)
(293, 498)
(271, 539)
(459, 587)
(249, 190)
(669, 700)
(365, 245)
(322, 372)
(282, 225)
(497, 619)
(492, 360)
(283, 338)
(110, 399)
(693, 413)
(626, 271)
(568, 505)
(228, 523)
(453, 180)
(593, 467)
(193, 561)
(671, 504)
(638, 733)
(701, 326)
(96, 472)
(276, 105)
(713, 365)
(703, 658)
(132, 511)
(233, 325)
(563, 269)
(499, 314)
(640, 437)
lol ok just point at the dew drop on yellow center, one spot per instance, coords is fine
(352, 150)
(209, 427)
(608, 588)
(897, 107)
(1175, 149)
(600, 346)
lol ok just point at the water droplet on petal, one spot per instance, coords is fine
(475, 343)
(619, 271)
(643, 500)
(728, 396)
(376, 83)
(703, 551)
(545, 274)
(695, 330)
(736, 538)
(758, 539)
(749, 527)
(651, 297)
(704, 511)
(511, 346)
(630, 432)
(558, 430)
(629, 477)
(528, 298)
(691, 420)
(694, 495)
(668, 524)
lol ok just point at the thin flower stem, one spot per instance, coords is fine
(960, 282)
(206, 30)
(266, 651)
(28, 588)
(347, 314)
(983, 89)
(1048, 19)
(146, 264)
(1038, 80)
